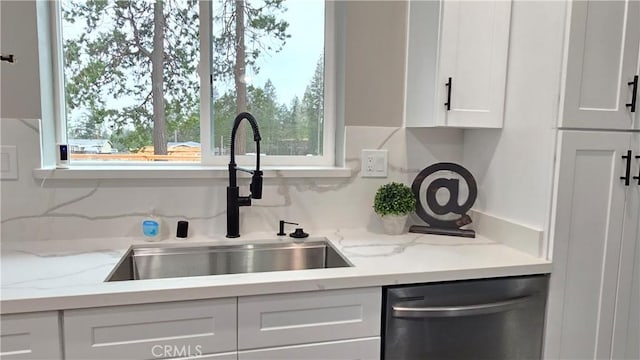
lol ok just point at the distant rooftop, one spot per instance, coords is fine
(88, 142)
(191, 144)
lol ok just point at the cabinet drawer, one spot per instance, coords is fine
(30, 336)
(298, 318)
(360, 349)
(220, 356)
(176, 329)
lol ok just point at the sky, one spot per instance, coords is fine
(292, 68)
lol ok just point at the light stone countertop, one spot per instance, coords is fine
(58, 275)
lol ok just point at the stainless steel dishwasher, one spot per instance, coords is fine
(500, 318)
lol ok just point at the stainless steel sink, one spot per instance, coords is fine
(168, 262)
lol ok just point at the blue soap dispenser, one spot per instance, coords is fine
(151, 228)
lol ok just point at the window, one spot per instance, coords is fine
(162, 81)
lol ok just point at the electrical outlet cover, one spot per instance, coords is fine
(8, 162)
(374, 163)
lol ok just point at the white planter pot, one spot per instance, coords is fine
(394, 224)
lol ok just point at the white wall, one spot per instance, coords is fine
(32, 210)
(514, 166)
(374, 76)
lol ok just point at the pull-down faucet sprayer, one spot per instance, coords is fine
(234, 200)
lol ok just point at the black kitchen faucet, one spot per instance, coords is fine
(234, 200)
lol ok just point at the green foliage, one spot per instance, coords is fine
(313, 109)
(107, 65)
(224, 111)
(262, 104)
(128, 141)
(394, 199)
(181, 125)
(286, 129)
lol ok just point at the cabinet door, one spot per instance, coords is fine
(422, 65)
(473, 53)
(30, 336)
(636, 114)
(226, 356)
(632, 346)
(587, 236)
(358, 349)
(626, 338)
(148, 331)
(601, 61)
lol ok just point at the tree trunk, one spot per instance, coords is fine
(240, 76)
(157, 80)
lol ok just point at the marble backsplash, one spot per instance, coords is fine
(75, 209)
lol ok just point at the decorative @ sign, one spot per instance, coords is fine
(440, 216)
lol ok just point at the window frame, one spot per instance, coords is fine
(208, 159)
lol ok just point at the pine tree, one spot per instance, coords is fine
(243, 30)
(313, 109)
(129, 60)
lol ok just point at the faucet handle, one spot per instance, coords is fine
(256, 185)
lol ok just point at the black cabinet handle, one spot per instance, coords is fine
(638, 177)
(448, 103)
(634, 93)
(8, 58)
(627, 176)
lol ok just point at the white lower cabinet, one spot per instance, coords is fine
(30, 336)
(225, 356)
(152, 331)
(288, 319)
(626, 335)
(591, 312)
(628, 345)
(358, 349)
(334, 324)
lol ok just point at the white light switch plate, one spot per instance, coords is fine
(8, 162)
(374, 163)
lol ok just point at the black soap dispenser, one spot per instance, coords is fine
(299, 234)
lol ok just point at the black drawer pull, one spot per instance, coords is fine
(638, 177)
(448, 103)
(634, 93)
(627, 173)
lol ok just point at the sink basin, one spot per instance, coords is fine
(141, 263)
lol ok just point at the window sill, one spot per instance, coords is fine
(182, 172)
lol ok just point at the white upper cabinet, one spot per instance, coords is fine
(457, 63)
(601, 63)
(636, 114)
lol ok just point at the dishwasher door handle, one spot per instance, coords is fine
(412, 309)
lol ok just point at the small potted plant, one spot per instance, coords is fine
(394, 202)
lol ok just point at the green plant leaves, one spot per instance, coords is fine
(394, 199)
